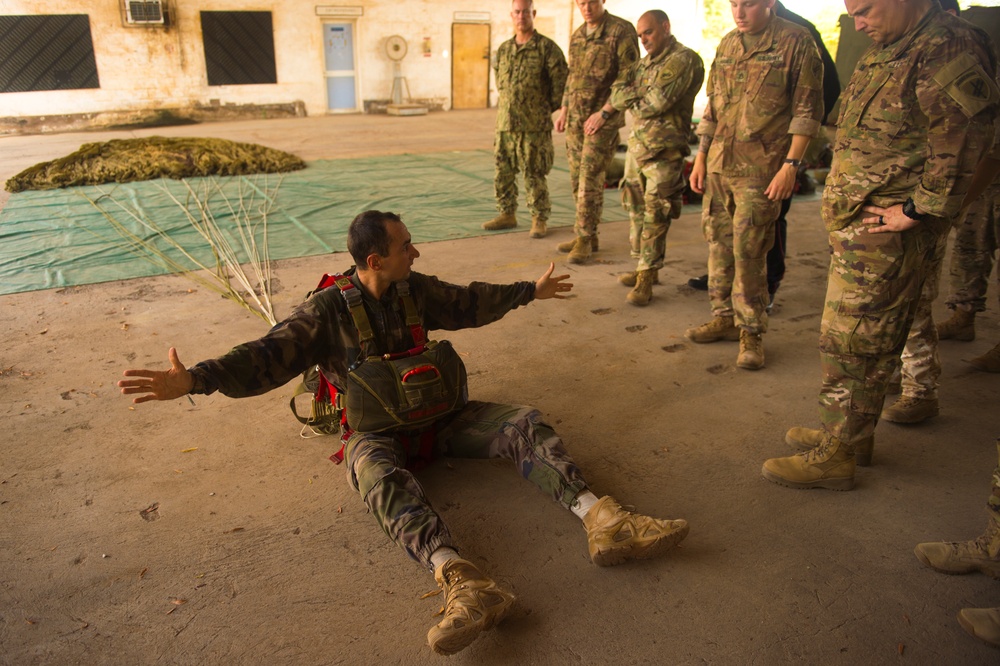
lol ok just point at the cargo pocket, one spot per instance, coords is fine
(876, 320)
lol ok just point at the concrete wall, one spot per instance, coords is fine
(149, 68)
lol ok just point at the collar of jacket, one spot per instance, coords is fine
(667, 50)
(894, 50)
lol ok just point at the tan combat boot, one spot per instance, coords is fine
(501, 221)
(810, 438)
(538, 228)
(642, 293)
(751, 356)
(472, 604)
(983, 623)
(980, 554)
(960, 326)
(910, 409)
(988, 362)
(582, 249)
(720, 328)
(615, 535)
(628, 279)
(568, 246)
(830, 465)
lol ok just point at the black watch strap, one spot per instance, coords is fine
(605, 114)
(910, 211)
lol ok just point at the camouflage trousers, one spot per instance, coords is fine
(652, 194)
(376, 468)
(972, 258)
(873, 288)
(589, 157)
(921, 365)
(993, 504)
(738, 223)
(528, 152)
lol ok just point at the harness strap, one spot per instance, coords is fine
(410, 308)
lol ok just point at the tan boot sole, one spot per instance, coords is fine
(830, 484)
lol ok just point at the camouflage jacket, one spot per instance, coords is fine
(599, 62)
(917, 117)
(321, 332)
(661, 101)
(531, 79)
(758, 99)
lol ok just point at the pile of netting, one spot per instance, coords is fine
(128, 160)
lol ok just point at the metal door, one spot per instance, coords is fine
(470, 65)
(341, 79)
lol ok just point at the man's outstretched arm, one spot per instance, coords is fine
(158, 384)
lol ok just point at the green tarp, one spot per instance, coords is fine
(58, 238)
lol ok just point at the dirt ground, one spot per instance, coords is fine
(207, 531)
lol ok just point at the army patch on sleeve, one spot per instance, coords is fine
(965, 82)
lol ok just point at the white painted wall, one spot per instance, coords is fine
(142, 68)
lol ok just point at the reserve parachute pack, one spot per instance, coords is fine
(385, 392)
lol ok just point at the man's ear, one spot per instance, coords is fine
(374, 261)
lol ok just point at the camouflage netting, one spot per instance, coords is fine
(128, 160)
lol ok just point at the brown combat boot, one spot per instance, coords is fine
(809, 438)
(720, 328)
(472, 604)
(615, 535)
(960, 326)
(910, 409)
(830, 465)
(568, 246)
(980, 554)
(751, 356)
(642, 293)
(538, 228)
(501, 221)
(988, 362)
(628, 279)
(582, 249)
(982, 623)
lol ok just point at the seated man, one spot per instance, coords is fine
(322, 332)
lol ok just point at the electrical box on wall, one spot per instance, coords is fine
(145, 12)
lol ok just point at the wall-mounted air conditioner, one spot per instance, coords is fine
(147, 12)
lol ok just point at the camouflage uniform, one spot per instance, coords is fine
(598, 63)
(917, 118)
(661, 100)
(921, 366)
(993, 504)
(321, 332)
(757, 99)
(976, 242)
(531, 79)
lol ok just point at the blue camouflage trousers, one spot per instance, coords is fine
(377, 468)
(738, 222)
(873, 291)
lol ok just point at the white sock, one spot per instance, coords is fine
(442, 555)
(583, 503)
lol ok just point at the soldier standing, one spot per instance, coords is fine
(661, 100)
(602, 52)
(764, 104)
(917, 118)
(531, 76)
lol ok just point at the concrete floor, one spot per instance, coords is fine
(261, 553)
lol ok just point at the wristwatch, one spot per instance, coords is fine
(605, 114)
(794, 163)
(910, 211)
